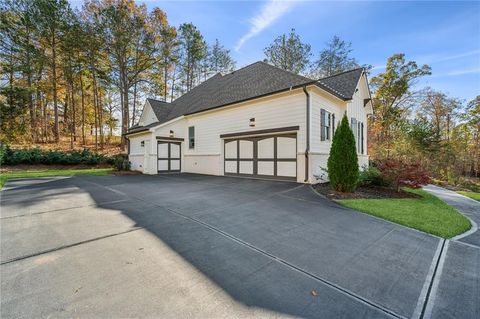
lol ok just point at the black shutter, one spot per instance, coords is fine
(333, 124)
(362, 138)
(322, 125)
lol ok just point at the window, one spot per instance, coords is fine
(326, 125)
(191, 137)
(357, 129)
(142, 144)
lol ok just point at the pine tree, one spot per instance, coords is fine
(343, 162)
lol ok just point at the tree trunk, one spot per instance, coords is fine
(165, 78)
(134, 102)
(54, 83)
(173, 82)
(83, 108)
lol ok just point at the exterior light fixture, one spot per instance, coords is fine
(171, 133)
(252, 122)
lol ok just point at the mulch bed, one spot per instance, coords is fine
(123, 173)
(362, 192)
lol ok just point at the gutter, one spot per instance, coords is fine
(307, 150)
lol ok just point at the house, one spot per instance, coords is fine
(259, 121)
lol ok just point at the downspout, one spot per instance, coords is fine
(307, 150)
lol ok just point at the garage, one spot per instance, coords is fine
(266, 156)
(169, 156)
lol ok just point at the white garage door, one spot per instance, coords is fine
(168, 156)
(273, 157)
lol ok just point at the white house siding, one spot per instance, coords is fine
(319, 150)
(282, 110)
(356, 109)
(148, 116)
(136, 153)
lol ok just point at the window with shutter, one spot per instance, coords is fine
(325, 125)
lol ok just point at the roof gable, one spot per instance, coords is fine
(342, 84)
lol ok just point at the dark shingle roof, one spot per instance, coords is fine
(160, 108)
(253, 81)
(342, 84)
(139, 128)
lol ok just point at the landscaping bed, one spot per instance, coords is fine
(363, 192)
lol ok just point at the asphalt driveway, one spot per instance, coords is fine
(178, 246)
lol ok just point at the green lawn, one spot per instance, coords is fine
(472, 195)
(52, 172)
(428, 213)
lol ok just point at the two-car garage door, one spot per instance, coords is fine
(262, 156)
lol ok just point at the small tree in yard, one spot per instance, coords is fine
(401, 173)
(343, 161)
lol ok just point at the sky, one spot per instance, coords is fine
(442, 34)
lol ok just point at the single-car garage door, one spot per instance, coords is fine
(272, 157)
(168, 156)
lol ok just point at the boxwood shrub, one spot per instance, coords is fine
(9, 156)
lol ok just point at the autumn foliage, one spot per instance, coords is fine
(401, 173)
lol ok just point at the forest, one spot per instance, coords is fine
(80, 76)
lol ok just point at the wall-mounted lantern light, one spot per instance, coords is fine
(171, 133)
(252, 122)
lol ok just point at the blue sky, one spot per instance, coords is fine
(445, 35)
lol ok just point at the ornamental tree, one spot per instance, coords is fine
(342, 164)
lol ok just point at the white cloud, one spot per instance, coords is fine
(464, 71)
(268, 14)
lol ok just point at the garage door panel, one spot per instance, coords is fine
(231, 149)
(231, 167)
(287, 169)
(286, 147)
(265, 168)
(263, 156)
(162, 150)
(175, 165)
(169, 154)
(246, 149)
(246, 167)
(174, 150)
(163, 165)
(266, 148)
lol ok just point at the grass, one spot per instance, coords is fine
(52, 172)
(472, 195)
(427, 213)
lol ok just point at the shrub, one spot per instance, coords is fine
(343, 162)
(121, 163)
(50, 157)
(372, 176)
(401, 173)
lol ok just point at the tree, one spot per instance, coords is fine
(335, 58)
(193, 50)
(342, 163)
(220, 59)
(392, 95)
(51, 17)
(289, 53)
